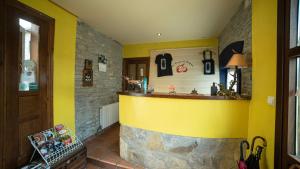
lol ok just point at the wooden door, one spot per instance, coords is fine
(2, 13)
(28, 80)
(135, 69)
(287, 145)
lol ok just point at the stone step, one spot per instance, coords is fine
(109, 164)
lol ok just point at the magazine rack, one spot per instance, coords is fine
(54, 157)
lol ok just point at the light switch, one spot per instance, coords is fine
(271, 101)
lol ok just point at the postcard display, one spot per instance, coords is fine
(54, 144)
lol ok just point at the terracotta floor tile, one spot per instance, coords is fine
(105, 148)
(91, 166)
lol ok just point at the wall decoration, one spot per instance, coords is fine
(188, 70)
(164, 64)
(88, 64)
(194, 91)
(172, 89)
(102, 63)
(208, 62)
(87, 73)
(182, 66)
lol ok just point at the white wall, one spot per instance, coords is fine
(184, 82)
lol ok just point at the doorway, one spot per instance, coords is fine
(27, 80)
(135, 69)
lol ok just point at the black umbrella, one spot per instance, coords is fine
(241, 162)
(253, 159)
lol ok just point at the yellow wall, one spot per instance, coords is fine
(64, 60)
(186, 117)
(143, 50)
(261, 115)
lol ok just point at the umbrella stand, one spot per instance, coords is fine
(252, 161)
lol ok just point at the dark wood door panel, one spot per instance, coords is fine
(11, 111)
(2, 15)
(27, 128)
(26, 112)
(29, 108)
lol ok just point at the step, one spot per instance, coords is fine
(109, 164)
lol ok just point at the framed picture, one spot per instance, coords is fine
(88, 64)
(87, 77)
(208, 63)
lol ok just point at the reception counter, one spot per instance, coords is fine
(195, 116)
(184, 124)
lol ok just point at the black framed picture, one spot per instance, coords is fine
(208, 63)
(87, 73)
(87, 77)
(88, 64)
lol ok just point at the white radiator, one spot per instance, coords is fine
(109, 114)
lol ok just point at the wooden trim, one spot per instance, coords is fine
(179, 96)
(51, 33)
(278, 161)
(286, 83)
(127, 61)
(51, 25)
(34, 16)
(2, 99)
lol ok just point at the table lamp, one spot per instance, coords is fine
(237, 61)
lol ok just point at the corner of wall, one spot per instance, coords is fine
(264, 39)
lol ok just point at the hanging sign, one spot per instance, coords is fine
(87, 73)
(209, 63)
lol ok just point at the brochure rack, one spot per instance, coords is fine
(56, 154)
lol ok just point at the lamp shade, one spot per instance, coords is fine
(237, 60)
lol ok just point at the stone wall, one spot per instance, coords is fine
(240, 28)
(160, 151)
(89, 100)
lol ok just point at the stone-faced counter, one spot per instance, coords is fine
(155, 150)
(182, 133)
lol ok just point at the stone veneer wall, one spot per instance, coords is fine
(89, 100)
(160, 151)
(240, 28)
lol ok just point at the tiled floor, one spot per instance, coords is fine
(103, 151)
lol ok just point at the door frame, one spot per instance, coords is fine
(2, 16)
(51, 24)
(127, 61)
(280, 83)
(282, 125)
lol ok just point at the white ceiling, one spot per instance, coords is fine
(139, 21)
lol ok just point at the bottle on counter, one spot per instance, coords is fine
(145, 85)
(213, 89)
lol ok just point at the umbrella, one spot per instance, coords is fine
(241, 163)
(253, 159)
